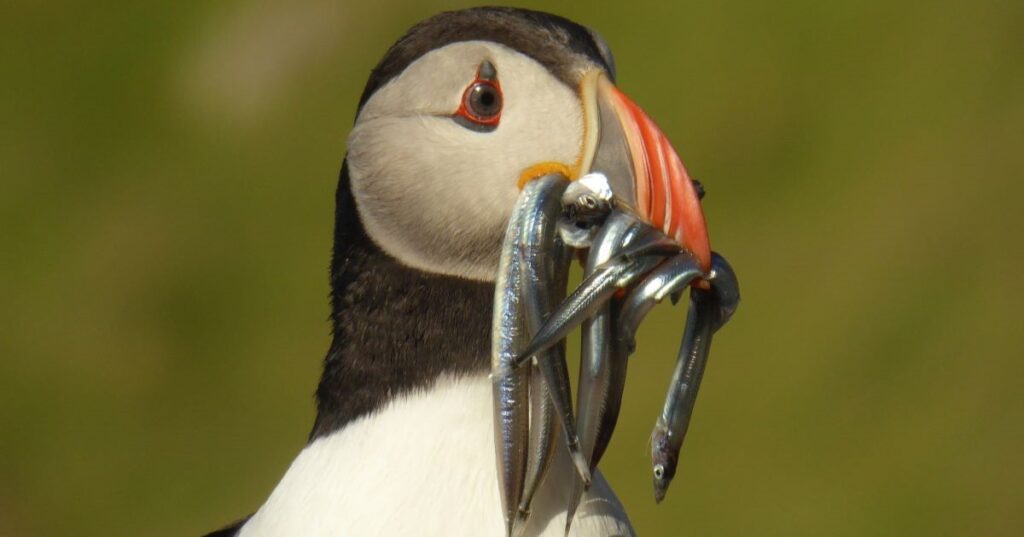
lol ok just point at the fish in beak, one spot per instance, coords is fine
(633, 207)
(647, 180)
(645, 173)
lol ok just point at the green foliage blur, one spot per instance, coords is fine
(167, 175)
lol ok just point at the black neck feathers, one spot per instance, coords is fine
(395, 328)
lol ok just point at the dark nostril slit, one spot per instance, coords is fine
(699, 188)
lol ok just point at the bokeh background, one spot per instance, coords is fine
(166, 200)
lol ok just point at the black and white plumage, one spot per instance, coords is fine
(403, 443)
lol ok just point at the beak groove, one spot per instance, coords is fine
(645, 172)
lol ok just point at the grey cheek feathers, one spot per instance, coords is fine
(437, 196)
(429, 243)
(420, 212)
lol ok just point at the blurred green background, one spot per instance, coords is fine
(166, 201)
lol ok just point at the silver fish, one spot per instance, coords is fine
(709, 311)
(602, 371)
(671, 277)
(511, 385)
(619, 271)
(545, 267)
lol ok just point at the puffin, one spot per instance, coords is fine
(458, 115)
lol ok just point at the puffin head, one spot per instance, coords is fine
(470, 105)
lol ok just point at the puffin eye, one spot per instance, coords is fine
(480, 109)
(483, 101)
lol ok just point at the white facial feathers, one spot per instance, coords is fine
(437, 195)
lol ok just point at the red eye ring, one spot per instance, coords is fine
(482, 103)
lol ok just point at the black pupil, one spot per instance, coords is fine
(484, 100)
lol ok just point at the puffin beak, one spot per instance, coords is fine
(645, 174)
